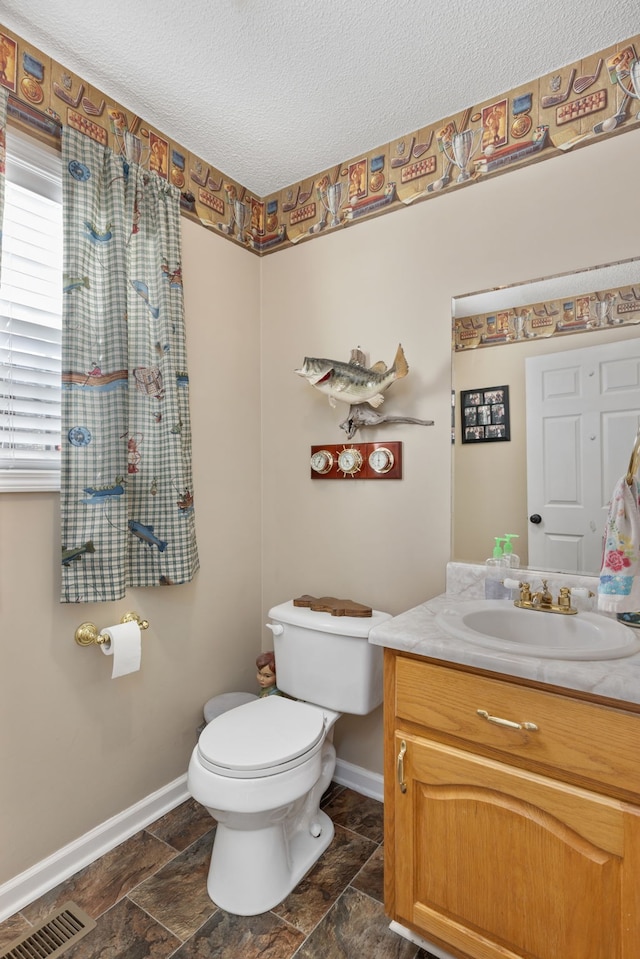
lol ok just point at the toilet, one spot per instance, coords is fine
(261, 768)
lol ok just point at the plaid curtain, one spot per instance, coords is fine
(127, 511)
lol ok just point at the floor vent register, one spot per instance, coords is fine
(53, 936)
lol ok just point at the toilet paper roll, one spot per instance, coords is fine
(125, 646)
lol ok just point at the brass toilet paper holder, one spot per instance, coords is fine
(87, 633)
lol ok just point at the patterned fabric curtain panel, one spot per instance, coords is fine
(127, 510)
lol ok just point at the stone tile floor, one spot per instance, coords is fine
(149, 897)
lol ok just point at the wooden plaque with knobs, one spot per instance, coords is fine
(357, 461)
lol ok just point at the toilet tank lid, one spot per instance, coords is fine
(357, 626)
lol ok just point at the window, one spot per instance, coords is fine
(30, 317)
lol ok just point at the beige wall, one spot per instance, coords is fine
(82, 747)
(78, 747)
(391, 280)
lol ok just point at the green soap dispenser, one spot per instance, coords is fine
(512, 559)
(496, 570)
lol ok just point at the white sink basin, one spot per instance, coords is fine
(500, 625)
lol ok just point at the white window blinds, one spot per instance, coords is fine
(30, 318)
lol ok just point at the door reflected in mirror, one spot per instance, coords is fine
(573, 371)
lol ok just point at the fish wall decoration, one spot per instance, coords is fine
(364, 415)
(353, 383)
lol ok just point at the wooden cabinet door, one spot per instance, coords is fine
(501, 863)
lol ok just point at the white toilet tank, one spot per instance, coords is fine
(327, 660)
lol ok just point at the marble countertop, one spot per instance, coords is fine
(416, 631)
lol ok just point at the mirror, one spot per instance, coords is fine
(544, 317)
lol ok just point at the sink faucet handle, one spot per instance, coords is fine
(525, 592)
(582, 597)
(564, 597)
(511, 583)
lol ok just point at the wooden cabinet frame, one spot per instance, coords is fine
(490, 859)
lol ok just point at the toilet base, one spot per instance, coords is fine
(252, 871)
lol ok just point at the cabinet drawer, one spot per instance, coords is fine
(578, 740)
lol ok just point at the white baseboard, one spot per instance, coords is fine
(50, 872)
(362, 780)
(45, 875)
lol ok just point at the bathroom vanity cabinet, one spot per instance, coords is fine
(508, 841)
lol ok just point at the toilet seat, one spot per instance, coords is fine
(262, 738)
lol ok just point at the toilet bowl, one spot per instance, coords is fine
(261, 768)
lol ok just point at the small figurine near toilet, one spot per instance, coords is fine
(262, 767)
(266, 677)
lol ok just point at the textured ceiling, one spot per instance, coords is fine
(273, 91)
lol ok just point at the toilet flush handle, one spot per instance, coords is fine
(276, 628)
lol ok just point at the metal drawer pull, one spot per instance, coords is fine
(400, 766)
(505, 722)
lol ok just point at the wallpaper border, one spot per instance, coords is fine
(570, 108)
